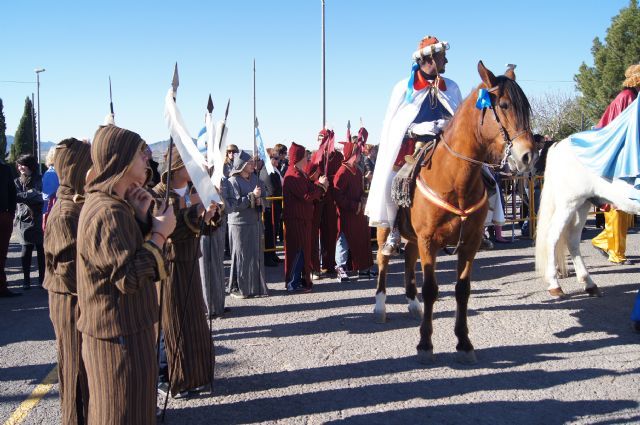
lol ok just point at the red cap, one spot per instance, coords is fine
(296, 153)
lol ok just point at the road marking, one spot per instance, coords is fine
(34, 398)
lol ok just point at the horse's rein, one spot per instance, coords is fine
(505, 136)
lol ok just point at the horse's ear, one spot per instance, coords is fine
(510, 73)
(487, 76)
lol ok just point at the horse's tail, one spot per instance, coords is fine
(545, 216)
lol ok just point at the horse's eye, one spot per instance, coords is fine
(504, 105)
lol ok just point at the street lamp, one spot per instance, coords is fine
(38, 71)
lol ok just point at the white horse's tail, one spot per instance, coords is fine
(545, 217)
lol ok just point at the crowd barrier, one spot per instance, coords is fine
(521, 196)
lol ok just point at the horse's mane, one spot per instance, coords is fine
(517, 96)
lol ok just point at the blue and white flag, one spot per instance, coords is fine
(262, 152)
(201, 141)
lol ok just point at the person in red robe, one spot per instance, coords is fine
(353, 226)
(612, 241)
(325, 161)
(299, 194)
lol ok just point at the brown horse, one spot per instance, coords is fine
(455, 211)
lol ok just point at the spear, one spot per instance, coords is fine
(224, 122)
(175, 82)
(111, 98)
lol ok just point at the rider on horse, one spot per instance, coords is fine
(418, 110)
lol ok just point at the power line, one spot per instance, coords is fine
(17, 82)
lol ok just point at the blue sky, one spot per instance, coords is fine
(369, 47)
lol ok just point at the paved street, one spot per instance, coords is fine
(319, 357)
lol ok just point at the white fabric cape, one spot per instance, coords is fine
(193, 160)
(380, 208)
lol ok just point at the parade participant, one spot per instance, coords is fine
(418, 110)
(28, 218)
(186, 333)
(50, 183)
(228, 159)
(299, 194)
(72, 162)
(246, 231)
(272, 209)
(7, 211)
(116, 275)
(326, 161)
(353, 227)
(212, 262)
(612, 241)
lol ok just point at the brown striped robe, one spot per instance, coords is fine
(190, 356)
(72, 160)
(116, 272)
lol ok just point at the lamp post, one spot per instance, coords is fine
(38, 71)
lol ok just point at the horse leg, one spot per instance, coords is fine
(555, 248)
(380, 309)
(573, 243)
(429, 296)
(410, 259)
(464, 348)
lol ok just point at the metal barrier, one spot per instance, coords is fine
(521, 195)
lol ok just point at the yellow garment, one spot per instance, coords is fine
(613, 239)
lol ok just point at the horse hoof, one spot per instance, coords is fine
(557, 292)
(415, 309)
(425, 356)
(380, 316)
(593, 291)
(466, 357)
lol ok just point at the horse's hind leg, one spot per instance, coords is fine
(555, 248)
(410, 259)
(380, 309)
(466, 353)
(573, 244)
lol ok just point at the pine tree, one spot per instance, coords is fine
(24, 138)
(601, 83)
(3, 135)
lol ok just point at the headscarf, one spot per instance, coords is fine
(350, 153)
(72, 161)
(112, 153)
(239, 161)
(176, 163)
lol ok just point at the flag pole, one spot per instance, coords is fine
(324, 90)
(255, 148)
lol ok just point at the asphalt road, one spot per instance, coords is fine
(320, 358)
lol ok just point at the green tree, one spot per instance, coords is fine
(601, 83)
(3, 135)
(24, 138)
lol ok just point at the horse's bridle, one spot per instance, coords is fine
(505, 136)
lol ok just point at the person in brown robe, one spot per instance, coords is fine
(119, 260)
(188, 343)
(72, 162)
(353, 225)
(299, 194)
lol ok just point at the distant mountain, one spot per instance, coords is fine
(44, 146)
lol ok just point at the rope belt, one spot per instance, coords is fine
(438, 201)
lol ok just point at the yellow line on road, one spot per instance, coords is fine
(34, 398)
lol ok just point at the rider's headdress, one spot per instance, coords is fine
(428, 46)
(633, 76)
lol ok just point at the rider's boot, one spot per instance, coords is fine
(392, 244)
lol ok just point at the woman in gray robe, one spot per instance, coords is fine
(246, 231)
(212, 266)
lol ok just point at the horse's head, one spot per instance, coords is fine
(507, 128)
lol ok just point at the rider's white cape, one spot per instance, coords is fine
(380, 208)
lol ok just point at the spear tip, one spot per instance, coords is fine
(175, 82)
(210, 104)
(227, 110)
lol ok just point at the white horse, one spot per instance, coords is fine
(569, 188)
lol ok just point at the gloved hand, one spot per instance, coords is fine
(426, 128)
